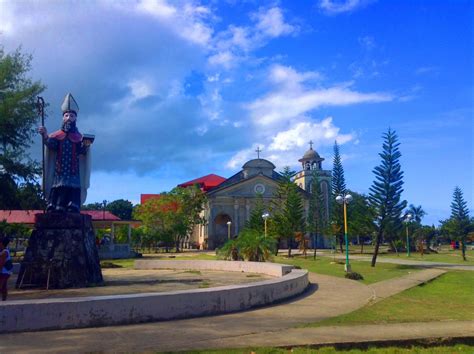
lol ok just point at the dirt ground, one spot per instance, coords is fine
(131, 281)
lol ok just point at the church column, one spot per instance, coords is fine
(236, 217)
(247, 210)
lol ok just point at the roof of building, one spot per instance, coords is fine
(146, 197)
(205, 182)
(258, 163)
(28, 216)
(241, 176)
(310, 155)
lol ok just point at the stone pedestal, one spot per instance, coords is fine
(61, 253)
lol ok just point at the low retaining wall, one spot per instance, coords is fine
(273, 269)
(29, 315)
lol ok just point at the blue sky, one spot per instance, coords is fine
(179, 89)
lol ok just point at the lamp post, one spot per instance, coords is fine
(104, 203)
(265, 216)
(344, 200)
(407, 221)
(228, 229)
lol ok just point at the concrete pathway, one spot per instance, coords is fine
(387, 288)
(271, 326)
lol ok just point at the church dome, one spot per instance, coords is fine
(311, 155)
(258, 163)
(258, 167)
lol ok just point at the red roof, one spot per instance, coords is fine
(145, 197)
(205, 182)
(28, 216)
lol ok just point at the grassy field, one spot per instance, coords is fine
(326, 265)
(445, 254)
(449, 297)
(452, 349)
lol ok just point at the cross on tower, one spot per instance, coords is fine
(258, 151)
(311, 144)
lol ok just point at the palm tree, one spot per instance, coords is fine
(417, 213)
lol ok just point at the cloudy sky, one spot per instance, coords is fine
(174, 90)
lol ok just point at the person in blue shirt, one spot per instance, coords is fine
(4, 273)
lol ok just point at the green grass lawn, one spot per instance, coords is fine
(452, 349)
(326, 265)
(448, 297)
(444, 256)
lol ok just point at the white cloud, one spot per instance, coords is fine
(321, 133)
(236, 42)
(158, 8)
(336, 7)
(225, 59)
(283, 105)
(289, 77)
(244, 155)
(285, 147)
(270, 22)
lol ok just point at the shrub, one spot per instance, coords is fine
(250, 245)
(354, 276)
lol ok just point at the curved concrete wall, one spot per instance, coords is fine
(27, 315)
(273, 269)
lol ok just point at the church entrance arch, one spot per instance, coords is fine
(221, 229)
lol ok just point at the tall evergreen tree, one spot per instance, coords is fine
(338, 179)
(288, 214)
(386, 190)
(459, 209)
(338, 188)
(459, 225)
(316, 218)
(256, 222)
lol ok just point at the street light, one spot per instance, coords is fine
(104, 203)
(344, 200)
(228, 229)
(407, 221)
(265, 216)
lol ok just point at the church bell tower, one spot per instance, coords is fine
(311, 164)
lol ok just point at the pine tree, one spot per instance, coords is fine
(316, 218)
(459, 224)
(459, 208)
(256, 221)
(386, 190)
(338, 180)
(288, 214)
(338, 188)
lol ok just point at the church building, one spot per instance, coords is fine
(231, 201)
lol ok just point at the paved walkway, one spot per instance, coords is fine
(270, 326)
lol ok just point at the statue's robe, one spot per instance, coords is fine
(67, 162)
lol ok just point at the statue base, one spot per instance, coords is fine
(61, 253)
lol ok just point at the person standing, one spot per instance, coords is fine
(4, 272)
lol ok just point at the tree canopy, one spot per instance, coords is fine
(386, 190)
(172, 216)
(459, 225)
(17, 119)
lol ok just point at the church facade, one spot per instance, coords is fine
(231, 202)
